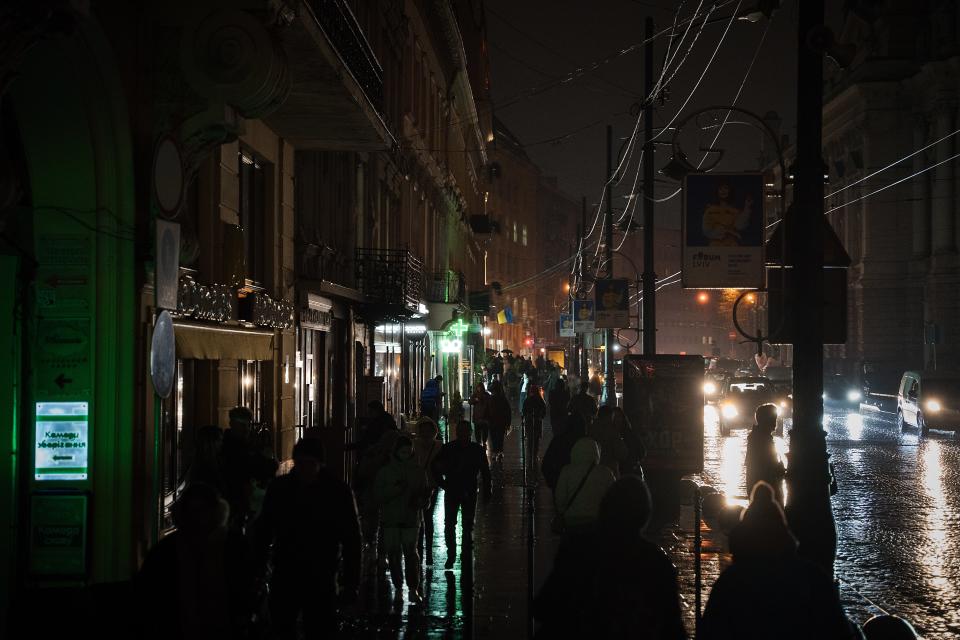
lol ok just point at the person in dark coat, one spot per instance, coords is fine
(769, 591)
(455, 470)
(583, 404)
(557, 455)
(610, 582)
(558, 397)
(310, 517)
(762, 462)
(534, 409)
(480, 402)
(500, 417)
(431, 400)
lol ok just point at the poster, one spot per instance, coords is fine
(61, 447)
(566, 325)
(583, 316)
(58, 534)
(663, 399)
(612, 300)
(723, 231)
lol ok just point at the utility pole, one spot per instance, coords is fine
(649, 277)
(579, 342)
(609, 381)
(808, 507)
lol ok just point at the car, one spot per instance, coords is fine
(740, 399)
(712, 386)
(840, 392)
(929, 400)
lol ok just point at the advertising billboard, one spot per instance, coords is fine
(612, 300)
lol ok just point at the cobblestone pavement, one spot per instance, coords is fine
(897, 513)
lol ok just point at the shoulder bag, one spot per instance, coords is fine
(558, 524)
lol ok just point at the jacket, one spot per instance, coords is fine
(400, 488)
(425, 451)
(613, 450)
(430, 397)
(584, 405)
(480, 401)
(534, 408)
(457, 466)
(500, 414)
(582, 509)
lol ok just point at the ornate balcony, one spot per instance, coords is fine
(445, 286)
(391, 279)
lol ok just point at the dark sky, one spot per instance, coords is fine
(533, 42)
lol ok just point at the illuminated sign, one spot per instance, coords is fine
(451, 345)
(61, 448)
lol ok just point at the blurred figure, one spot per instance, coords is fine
(207, 467)
(581, 486)
(198, 577)
(426, 447)
(525, 383)
(239, 464)
(762, 462)
(557, 455)
(374, 458)
(455, 413)
(611, 582)
(310, 518)
(596, 385)
(456, 469)
(558, 397)
(606, 431)
(583, 404)
(401, 489)
(500, 418)
(534, 411)
(769, 591)
(480, 401)
(431, 400)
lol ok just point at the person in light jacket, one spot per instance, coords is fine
(580, 508)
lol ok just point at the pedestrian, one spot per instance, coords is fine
(455, 413)
(611, 582)
(373, 459)
(310, 519)
(768, 590)
(524, 387)
(512, 387)
(581, 486)
(238, 464)
(557, 400)
(480, 401)
(199, 576)
(596, 386)
(426, 447)
(762, 462)
(430, 400)
(378, 423)
(557, 455)
(401, 489)
(534, 410)
(500, 418)
(456, 469)
(583, 404)
(613, 450)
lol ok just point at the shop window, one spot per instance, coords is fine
(178, 440)
(253, 213)
(249, 374)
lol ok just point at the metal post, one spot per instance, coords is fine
(609, 381)
(808, 508)
(649, 276)
(697, 548)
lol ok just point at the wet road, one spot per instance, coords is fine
(897, 513)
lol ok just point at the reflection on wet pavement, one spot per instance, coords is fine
(897, 513)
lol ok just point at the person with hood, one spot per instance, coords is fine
(401, 489)
(557, 455)
(558, 397)
(769, 591)
(310, 519)
(500, 418)
(613, 450)
(583, 404)
(480, 401)
(456, 469)
(534, 410)
(426, 447)
(611, 582)
(431, 400)
(455, 413)
(762, 462)
(581, 486)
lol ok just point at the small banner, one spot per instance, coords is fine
(612, 300)
(723, 231)
(583, 316)
(566, 325)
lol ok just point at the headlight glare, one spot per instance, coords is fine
(730, 411)
(933, 406)
(709, 388)
(853, 395)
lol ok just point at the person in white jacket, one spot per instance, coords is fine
(582, 485)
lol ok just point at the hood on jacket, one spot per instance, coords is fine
(585, 451)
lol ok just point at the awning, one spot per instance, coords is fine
(213, 342)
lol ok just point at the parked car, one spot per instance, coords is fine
(741, 397)
(838, 391)
(929, 400)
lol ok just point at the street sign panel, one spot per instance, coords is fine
(723, 234)
(612, 299)
(62, 441)
(566, 325)
(583, 316)
(663, 399)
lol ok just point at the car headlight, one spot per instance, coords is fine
(730, 411)
(779, 410)
(783, 404)
(932, 406)
(709, 388)
(853, 395)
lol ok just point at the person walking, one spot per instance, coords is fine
(534, 410)
(769, 591)
(613, 450)
(426, 447)
(511, 383)
(557, 455)
(374, 458)
(583, 404)
(310, 519)
(558, 397)
(480, 401)
(455, 413)
(500, 418)
(456, 469)
(431, 400)
(524, 386)
(581, 486)
(401, 489)
(611, 582)
(761, 461)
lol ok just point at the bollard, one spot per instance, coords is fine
(697, 546)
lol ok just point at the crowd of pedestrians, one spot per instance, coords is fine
(257, 555)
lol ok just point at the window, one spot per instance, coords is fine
(514, 230)
(524, 237)
(253, 214)
(525, 308)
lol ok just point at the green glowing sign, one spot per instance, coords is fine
(61, 449)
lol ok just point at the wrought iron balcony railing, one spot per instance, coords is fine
(344, 32)
(445, 286)
(390, 277)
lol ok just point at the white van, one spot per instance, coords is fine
(929, 400)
